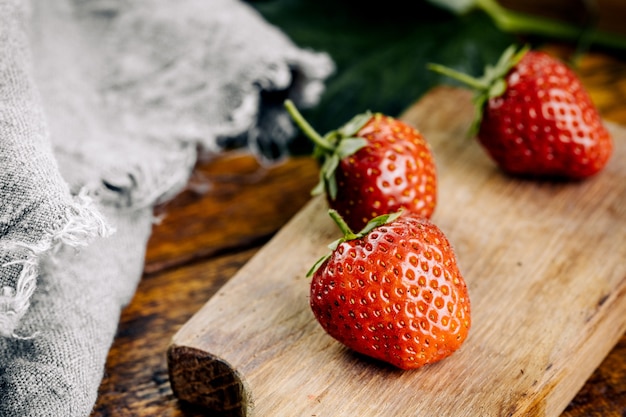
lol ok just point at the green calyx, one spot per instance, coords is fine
(332, 147)
(348, 234)
(491, 84)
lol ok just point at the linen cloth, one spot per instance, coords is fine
(104, 106)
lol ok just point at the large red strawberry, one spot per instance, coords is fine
(373, 165)
(535, 118)
(393, 291)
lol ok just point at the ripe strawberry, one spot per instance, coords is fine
(535, 117)
(393, 291)
(373, 165)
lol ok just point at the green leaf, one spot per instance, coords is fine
(497, 88)
(333, 245)
(479, 106)
(349, 146)
(505, 58)
(331, 187)
(330, 165)
(327, 175)
(379, 221)
(355, 124)
(320, 186)
(317, 265)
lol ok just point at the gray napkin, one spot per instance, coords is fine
(104, 105)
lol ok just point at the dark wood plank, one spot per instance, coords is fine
(231, 201)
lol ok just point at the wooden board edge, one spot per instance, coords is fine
(609, 321)
(202, 379)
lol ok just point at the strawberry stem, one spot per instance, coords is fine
(306, 127)
(470, 81)
(332, 147)
(348, 234)
(516, 22)
(491, 84)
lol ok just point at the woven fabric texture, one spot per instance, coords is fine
(104, 106)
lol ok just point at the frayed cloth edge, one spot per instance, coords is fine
(83, 222)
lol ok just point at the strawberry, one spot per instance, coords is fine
(373, 165)
(534, 117)
(392, 291)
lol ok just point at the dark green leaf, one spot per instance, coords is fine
(381, 57)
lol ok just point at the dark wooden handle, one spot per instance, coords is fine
(205, 380)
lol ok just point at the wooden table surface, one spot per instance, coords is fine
(231, 207)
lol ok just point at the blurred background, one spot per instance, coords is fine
(381, 48)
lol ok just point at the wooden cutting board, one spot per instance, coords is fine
(545, 264)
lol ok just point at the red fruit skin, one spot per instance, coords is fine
(545, 123)
(395, 295)
(396, 169)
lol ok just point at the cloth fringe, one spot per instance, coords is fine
(83, 222)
